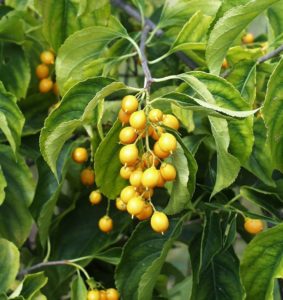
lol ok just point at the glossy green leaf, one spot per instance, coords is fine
(243, 77)
(3, 185)
(15, 218)
(262, 263)
(193, 34)
(142, 260)
(177, 12)
(228, 27)
(14, 69)
(237, 54)
(9, 264)
(221, 279)
(61, 19)
(11, 118)
(273, 115)
(108, 174)
(75, 110)
(260, 161)
(81, 48)
(78, 289)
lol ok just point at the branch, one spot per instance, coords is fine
(270, 55)
(144, 63)
(44, 264)
(152, 26)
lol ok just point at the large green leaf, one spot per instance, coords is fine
(262, 263)
(142, 260)
(108, 174)
(177, 12)
(11, 118)
(76, 109)
(260, 161)
(81, 48)
(14, 69)
(220, 280)
(228, 27)
(9, 264)
(15, 218)
(78, 289)
(62, 18)
(273, 115)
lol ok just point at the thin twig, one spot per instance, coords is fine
(144, 63)
(270, 55)
(152, 26)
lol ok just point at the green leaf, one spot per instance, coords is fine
(228, 166)
(274, 14)
(15, 218)
(228, 27)
(260, 160)
(75, 110)
(214, 89)
(108, 174)
(78, 289)
(32, 284)
(267, 200)
(12, 28)
(61, 19)
(262, 263)
(9, 264)
(3, 185)
(11, 118)
(243, 77)
(142, 260)
(177, 12)
(14, 69)
(181, 290)
(273, 115)
(221, 279)
(81, 48)
(193, 34)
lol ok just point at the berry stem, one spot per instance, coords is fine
(108, 207)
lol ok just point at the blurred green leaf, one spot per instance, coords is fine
(9, 264)
(273, 115)
(78, 289)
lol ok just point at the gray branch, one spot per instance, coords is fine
(270, 55)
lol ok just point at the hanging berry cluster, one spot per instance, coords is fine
(43, 73)
(142, 166)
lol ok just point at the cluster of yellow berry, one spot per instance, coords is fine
(109, 294)
(80, 156)
(43, 73)
(141, 165)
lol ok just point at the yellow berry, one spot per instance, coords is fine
(159, 222)
(129, 104)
